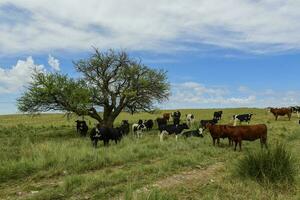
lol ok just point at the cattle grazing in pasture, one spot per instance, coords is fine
(172, 129)
(217, 132)
(204, 123)
(105, 134)
(149, 124)
(125, 127)
(242, 118)
(190, 119)
(281, 112)
(82, 127)
(166, 116)
(296, 109)
(193, 133)
(138, 129)
(176, 117)
(218, 115)
(248, 133)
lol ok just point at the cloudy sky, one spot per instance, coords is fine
(234, 53)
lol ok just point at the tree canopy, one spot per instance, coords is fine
(109, 80)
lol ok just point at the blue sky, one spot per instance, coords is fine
(235, 54)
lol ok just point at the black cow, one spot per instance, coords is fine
(176, 117)
(296, 109)
(172, 129)
(204, 123)
(81, 127)
(125, 127)
(242, 118)
(193, 133)
(149, 124)
(105, 134)
(218, 115)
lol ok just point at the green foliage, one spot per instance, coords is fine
(109, 80)
(272, 166)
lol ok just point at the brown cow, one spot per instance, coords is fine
(167, 116)
(281, 112)
(217, 132)
(249, 133)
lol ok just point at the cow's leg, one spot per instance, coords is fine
(176, 137)
(235, 145)
(276, 117)
(218, 141)
(161, 137)
(240, 144)
(214, 141)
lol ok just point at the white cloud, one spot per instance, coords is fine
(196, 95)
(54, 63)
(14, 79)
(158, 25)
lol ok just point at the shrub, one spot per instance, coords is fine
(274, 165)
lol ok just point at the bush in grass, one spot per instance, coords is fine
(274, 165)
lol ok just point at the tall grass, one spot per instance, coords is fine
(275, 165)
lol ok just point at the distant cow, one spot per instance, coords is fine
(149, 124)
(161, 122)
(242, 118)
(281, 112)
(125, 127)
(81, 127)
(166, 116)
(105, 134)
(296, 109)
(193, 133)
(138, 129)
(204, 123)
(176, 117)
(218, 115)
(190, 118)
(172, 129)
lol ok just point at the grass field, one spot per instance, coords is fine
(42, 157)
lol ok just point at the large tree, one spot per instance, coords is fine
(110, 81)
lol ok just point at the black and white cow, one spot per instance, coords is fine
(176, 117)
(81, 127)
(105, 134)
(296, 109)
(218, 115)
(149, 124)
(190, 119)
(193, 133)
(172, 129)
(204, 123)
(242, 118)
(138, 129)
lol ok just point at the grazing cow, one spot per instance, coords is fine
(138, 129)
(190, 118)
(176, 117)
(218, 115)
(81, 127)
(166, 116)
(249, 133)
(125, 127)
(172, 129)
(204, 123)
(296, 109)
(217, 132)
(281, 112)
(149, 124)
(193, 133)
(242, 118)
(105, 134)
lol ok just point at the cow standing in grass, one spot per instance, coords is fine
(172, 129)
(242, 118)
(190, 119)
(281, 112)
(176, 117)
(81, 127)
(105, 134)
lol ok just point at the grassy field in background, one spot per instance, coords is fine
(42, 157)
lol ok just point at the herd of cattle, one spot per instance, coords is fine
(235, 133)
